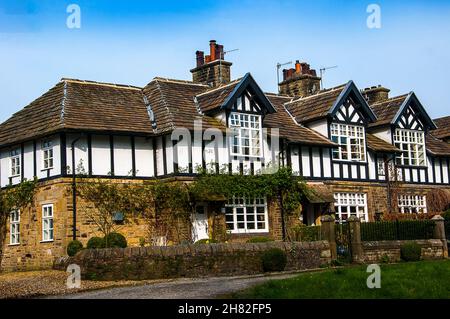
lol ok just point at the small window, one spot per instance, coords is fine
(246, 215)
(350, 204)
(47, 155)
(351, 141)
(47, 222)
(246, 137)
(15, 163)
(412, 204)
(412, 146)
(14, 229)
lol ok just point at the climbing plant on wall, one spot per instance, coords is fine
(18, 197)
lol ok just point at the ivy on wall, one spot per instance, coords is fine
(18, 197)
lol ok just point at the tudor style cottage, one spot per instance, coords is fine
(349, 144)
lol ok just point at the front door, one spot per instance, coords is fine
(200, 223)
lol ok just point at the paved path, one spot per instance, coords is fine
(202, 288)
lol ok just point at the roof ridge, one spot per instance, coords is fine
(88, 82)
(391, 99)
(220, 87)
(164, 101)
(187, 82)
(336, 88)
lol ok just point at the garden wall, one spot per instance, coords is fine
(375, 251)
(204, 260)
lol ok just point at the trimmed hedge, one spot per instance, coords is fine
(259, 240)
(410, 252)
(95, 243)
(74, 247)
(274, 259)
(115, 240)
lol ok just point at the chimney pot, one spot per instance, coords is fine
(200, 58)
(298, 68)
(212, 49)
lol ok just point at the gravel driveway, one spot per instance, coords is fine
(203, 288)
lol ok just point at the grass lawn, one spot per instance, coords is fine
(425, 279)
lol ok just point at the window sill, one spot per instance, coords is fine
(46, 169)
(15, 176)
(12, 245)
(46, 241)
(259, 231)
(338, 161)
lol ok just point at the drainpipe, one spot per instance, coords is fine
(74, 190)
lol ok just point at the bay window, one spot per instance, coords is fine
(412, 146)
(246, 215)
(246, 138)
(351, 140)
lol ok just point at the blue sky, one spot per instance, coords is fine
(133, 41)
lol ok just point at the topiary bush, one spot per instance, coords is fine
(115, 240)
(206, 241)
(95, 243)
(259, 240)
(73, 247)
(410, 252)
(274, 259)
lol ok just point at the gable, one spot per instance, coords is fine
(351, 107)
(245, 96)
(349, 112)
(412, 115)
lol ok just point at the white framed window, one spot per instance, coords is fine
(351, 140)
(14, 227)
(47, 222)
(350, 204)
(15, 163)
(47, 155)
(412, 146)
(381, 167)
(412, 204)
(247, 215)
(246, 134)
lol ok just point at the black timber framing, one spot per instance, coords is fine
(63, 154)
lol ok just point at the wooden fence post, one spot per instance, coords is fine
(355, 238)
(328, 233)
(439, 232)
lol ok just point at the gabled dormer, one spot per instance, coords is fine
(405, 122)
(242, 106)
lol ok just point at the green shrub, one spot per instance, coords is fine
(410, 252)
(95, 243)
(115, 240)
(446, 215)
(385, 259)
(73, 247)
(259, 240)
(206, 241)
(274, 259)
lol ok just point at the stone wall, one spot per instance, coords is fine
(140, 263)
(376, 251)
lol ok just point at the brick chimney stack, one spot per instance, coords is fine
(299, 81)
(212, 69)
(375, 94)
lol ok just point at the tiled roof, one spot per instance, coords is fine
(213, 98)
(436, 146)
(287, 126)
(40, 117)
(386, 110)
(173, 105)
(443, 130)
(315, 106)
(378, 145)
